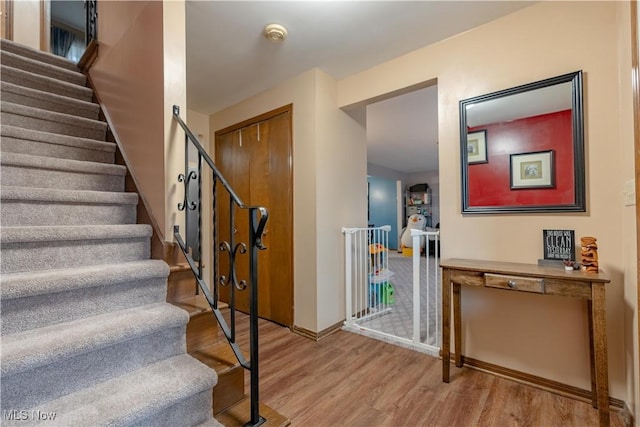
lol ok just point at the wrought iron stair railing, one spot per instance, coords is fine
(257, 219)
(91, 21)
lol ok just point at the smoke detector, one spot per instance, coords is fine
(275, 32)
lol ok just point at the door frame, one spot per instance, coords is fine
(7, 19)
(635, 85)
(45, 25)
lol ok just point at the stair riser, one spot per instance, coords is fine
(202, 331)
(97, 132)
(39, 56)
(23, 213)
(67, 180)
(82, 110)
(34, 81)
(21, 314)
(44, 255)
(61, 377)
(181, 285)
(229, 390)
(43, 69)
(38, 148)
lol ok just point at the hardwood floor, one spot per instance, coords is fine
(350, 380)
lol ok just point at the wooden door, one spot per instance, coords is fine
(255, 157)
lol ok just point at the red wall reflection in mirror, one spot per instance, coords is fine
(489, 183)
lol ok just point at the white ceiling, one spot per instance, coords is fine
(402, 132)
(526, 104)
(69, 12)
(229, 59)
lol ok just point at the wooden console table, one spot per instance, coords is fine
(530, 278)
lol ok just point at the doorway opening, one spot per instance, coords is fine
(402, 147)
(68, 36)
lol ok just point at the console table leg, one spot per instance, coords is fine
(457, 324)
(600, 351)
(446, 323)
(592, 357)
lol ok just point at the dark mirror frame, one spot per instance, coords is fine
(579, 203)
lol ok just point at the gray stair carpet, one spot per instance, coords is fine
(87, 338)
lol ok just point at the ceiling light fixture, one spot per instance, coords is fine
(275, 32)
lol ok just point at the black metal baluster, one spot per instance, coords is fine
(199, 215)
(232, 286)
(91, 21)
(254, 244)
(233, 249)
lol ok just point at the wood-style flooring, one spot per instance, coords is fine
(349, 380)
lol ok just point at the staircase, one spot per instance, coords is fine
(87, 338)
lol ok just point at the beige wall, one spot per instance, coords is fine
(26, 22)
(129, 78)
(326, 197)
(199, 125)
(541, 335)
(139, 78)
(175, 93)
(341, 182)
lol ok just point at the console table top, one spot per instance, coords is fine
(533, 270)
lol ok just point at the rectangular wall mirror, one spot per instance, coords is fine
(522, 149)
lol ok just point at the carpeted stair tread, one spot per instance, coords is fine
(50, 121)
(95, 357)
(39, 55)
(37, 299)
(53, 116)
(134, 398)
(48, 84)
(35, 248)
(27, 284)
(32, 206)
(54, 138)
(38, 347)
(52, 195)
(72, 233)
(40, 162)
(43, 68)
(47, 144)
(48, 101)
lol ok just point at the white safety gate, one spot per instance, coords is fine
(391, 296)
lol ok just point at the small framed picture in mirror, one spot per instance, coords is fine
(532, 170)
(477, 147)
